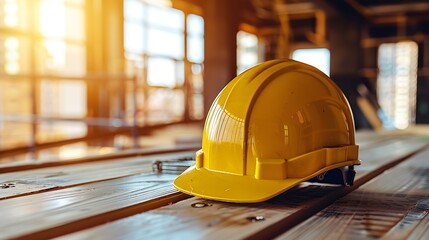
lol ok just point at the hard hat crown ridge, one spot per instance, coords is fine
(275, 125)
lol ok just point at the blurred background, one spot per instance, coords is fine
(92, 77)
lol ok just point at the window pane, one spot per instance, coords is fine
(52, 21)
(140, 102)
(75, 150)
(15, 97)
(197, 106)
(60, 20)
(133, 37)
(247, 51)
(60, 130)
(62, 98)
(162, 72)
(196, 49)
(165, 43)
(197, 78)
(247, 59)
(134, 100)
(75, 26)
(75, 62)
(76, 2)
(14, 55)
(133, 9)
(166, 105)
(15, 109)
(247, 40)
(166, 17)
(195, 25)
(397, 81)
(57, 57)
(14, 14)
(134, 65)
(316, 57)
(14, 134)
(180, 73)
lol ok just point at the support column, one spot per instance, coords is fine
(221, 22)
(105, 62)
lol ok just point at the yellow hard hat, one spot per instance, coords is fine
(279, 123)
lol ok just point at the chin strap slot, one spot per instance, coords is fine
(342, 176)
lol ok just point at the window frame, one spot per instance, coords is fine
(140, 86)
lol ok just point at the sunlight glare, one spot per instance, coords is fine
(161, 3)
(56, 51)
(12, 55)
(316, 57)
(10, 13)
(52, 21)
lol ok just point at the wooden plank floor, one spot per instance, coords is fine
(89, 184)
(111, 199)
(54, 213)
(200, 219)
(35, 164)
(32, 181)
(394, 205)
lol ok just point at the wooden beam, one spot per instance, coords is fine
(388, 9)
(375, 42)
(358, 7)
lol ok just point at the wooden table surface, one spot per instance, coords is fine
(120, 196)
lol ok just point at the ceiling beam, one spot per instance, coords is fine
(388, 9)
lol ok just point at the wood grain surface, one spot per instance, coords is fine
(393, 205)
(197, 218)
(53, 213)
(20, 183)
(34, 164)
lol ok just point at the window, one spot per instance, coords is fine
(247, 51)
(42, 71)
(164, 49)
(397, 81)
(61, 53)
(195, 54)
(316, 57)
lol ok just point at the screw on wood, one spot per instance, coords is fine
(200, 205)
(256, 218)
(175, 166)
(7, 185)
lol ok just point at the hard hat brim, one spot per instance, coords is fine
(229, 187)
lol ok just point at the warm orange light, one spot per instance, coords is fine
(162, 3)
(52, 24)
